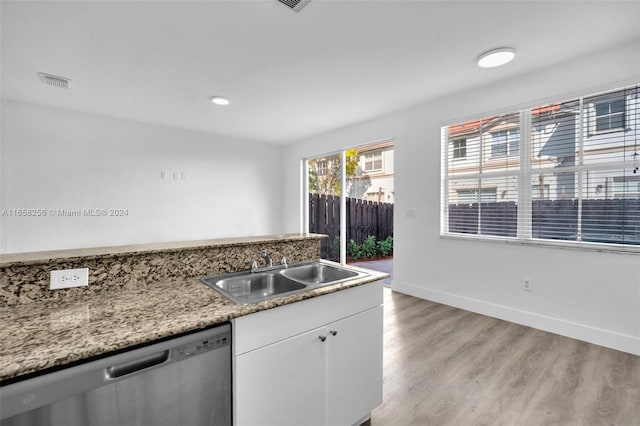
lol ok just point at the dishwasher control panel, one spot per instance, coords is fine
(201, 346)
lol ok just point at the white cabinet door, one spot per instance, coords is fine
(283, 383)
(354, 382)
(285, 375)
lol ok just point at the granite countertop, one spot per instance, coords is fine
(39, 336)
(38, 257)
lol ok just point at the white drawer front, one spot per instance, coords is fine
(263, 328)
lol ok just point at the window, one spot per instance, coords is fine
(567, 178)
(540, 192)
(470, 196)
(609, 115)
(373, 161)
(459, 149)
(322, 168)
(506, 142)
(625, 187)
(336, 189)
(482, 193)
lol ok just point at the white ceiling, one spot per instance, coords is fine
(289, 75)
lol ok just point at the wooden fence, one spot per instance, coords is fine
(364, 218)
(606, 221)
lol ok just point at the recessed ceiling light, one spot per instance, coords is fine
(496, 57)
(220, 100)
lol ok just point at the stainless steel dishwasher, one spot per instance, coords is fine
(181, 381)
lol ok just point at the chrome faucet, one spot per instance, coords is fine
(267, 258)
(268, 263)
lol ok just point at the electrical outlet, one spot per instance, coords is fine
(527, 284)
(66, 278)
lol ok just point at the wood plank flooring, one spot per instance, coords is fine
(447, 366)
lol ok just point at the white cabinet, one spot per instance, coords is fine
(282, 383)
(315, 362)
(354, 374)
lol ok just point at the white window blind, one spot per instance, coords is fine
(566, 171)
(482, 188)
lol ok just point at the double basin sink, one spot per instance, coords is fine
(252, 287)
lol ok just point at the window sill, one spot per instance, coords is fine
(556, 244)
(604, 132)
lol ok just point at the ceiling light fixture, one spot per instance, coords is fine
(220, 100)
(496, 57)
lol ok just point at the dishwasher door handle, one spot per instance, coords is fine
(117, 371)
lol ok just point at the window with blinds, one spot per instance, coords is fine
(566, 171)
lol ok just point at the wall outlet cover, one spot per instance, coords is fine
(67, 278)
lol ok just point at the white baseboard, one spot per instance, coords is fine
(598, 336)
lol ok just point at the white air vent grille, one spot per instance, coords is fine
(54, 80)
(295, 5)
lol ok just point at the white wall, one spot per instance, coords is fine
(56, 159)
(587, 295)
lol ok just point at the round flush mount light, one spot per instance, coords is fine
(220, 100)
(496, 57)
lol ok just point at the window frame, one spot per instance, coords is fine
(593, 114)
(622, 186)
(507, 140)
(462, 147)
(482, 194)
(584, 129)
(322, 167)
(373, 159)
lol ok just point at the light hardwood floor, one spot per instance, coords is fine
(447, 366)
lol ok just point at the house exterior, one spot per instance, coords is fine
(369, 178)
(376, 162)
(484, 155)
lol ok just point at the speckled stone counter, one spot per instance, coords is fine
(24, 277)
(39, 336)
(136, 295)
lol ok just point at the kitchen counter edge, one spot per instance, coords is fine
(42, 337)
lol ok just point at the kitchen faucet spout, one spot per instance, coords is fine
(267, 258)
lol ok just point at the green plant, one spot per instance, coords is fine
(368, 248)
(385, 247)
(353, 250)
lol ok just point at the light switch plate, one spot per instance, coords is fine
(66, 278)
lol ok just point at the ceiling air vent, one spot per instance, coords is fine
(295, 5)
(54, 80)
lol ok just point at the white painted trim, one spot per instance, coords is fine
(343, 208)
(598, 336)
(304, 192)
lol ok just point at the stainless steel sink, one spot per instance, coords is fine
(253, 287)
(249, 287)
(318, 273)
